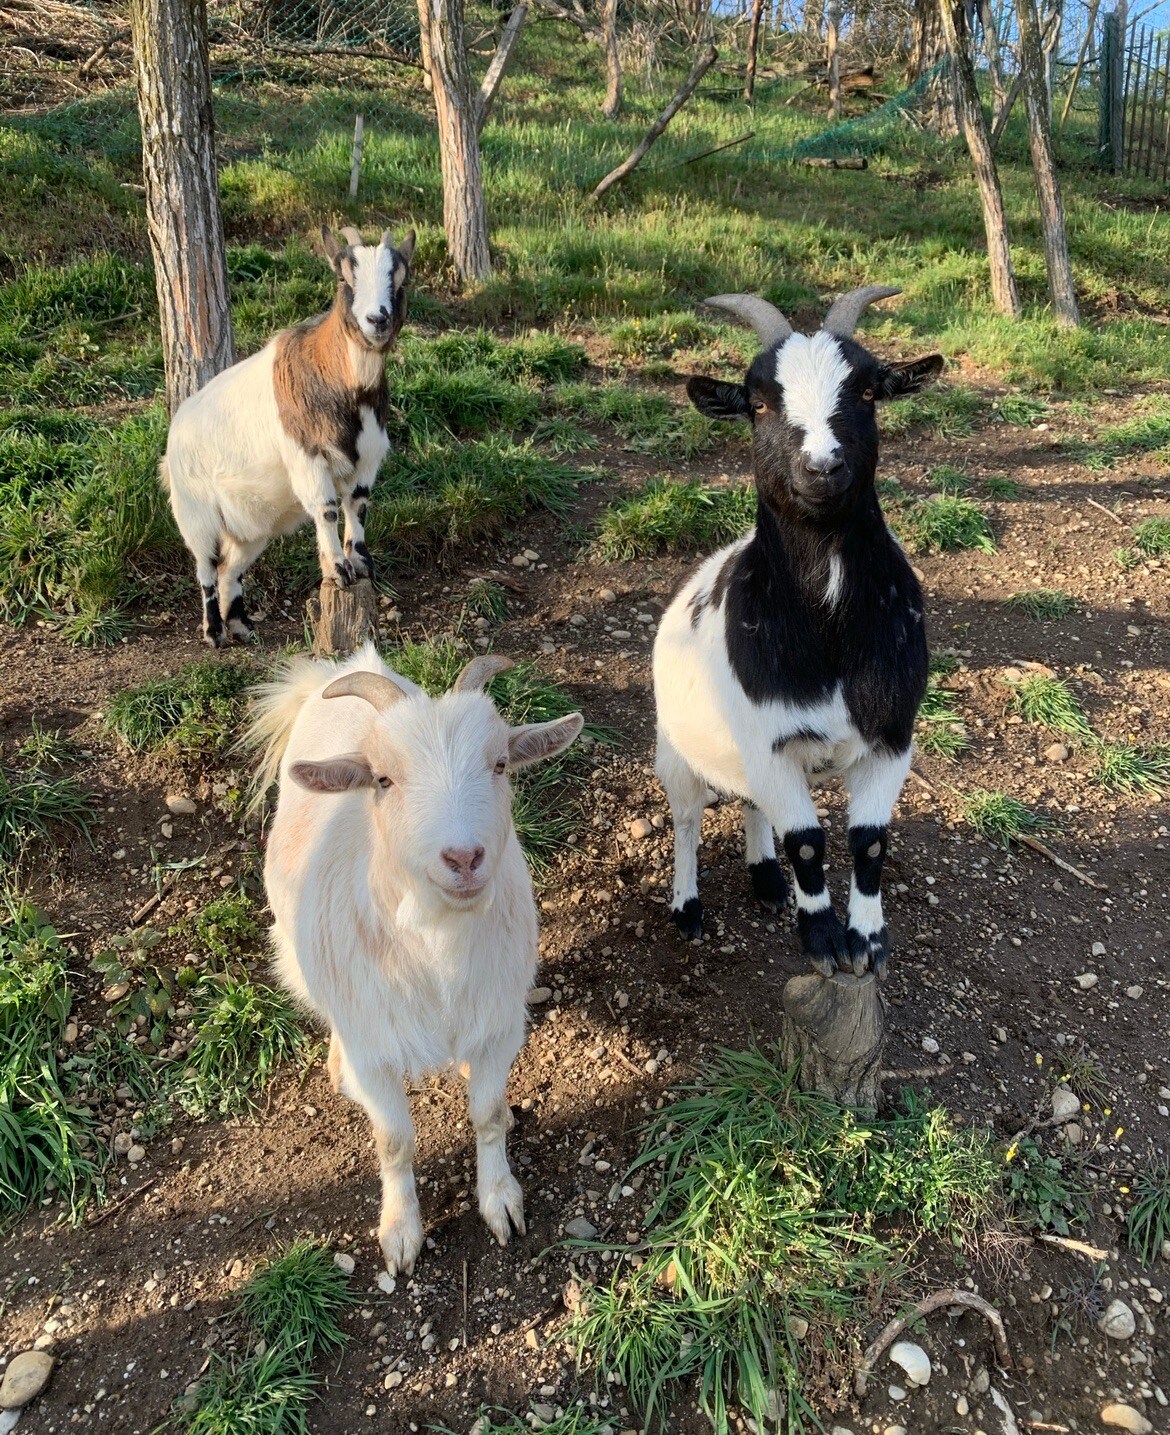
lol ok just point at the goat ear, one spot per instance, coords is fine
(333, 246)
(718, 400)
(536, 741)
(335, 774)
(405, 246)
(895, 381)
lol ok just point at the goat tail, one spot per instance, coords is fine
(275, 706)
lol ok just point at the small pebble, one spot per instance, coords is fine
(180, 806)
(344, 1262)
(1125, 1417)
(1087, 981)
(537, 996)
(1118, 1322)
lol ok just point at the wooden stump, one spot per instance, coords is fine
(342, 618)
(836, 1028)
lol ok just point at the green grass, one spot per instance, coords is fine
(47, 1138)
(1147, 432)
(773, 1205)
(649, 422)
(196, 711)
(45, 748)
(296, 1299)
(946, 478)
(1153, 537)
(1127, 767)
(1043, 604)
(944, 524)
(546, 809)
(222, 929)
(254, 1394)
(1147, 1227)
(1001, 488)
(1041, 1192)
(37, 808)
(243, 1032)
(940, 730)
(674, 517)
(947, 411)
(486, 599)
(561, 435)
(1021, 410)
(1000, 818)
(1051, 702)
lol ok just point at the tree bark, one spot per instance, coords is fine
(832, 59)
(1037, 103)
(836, 1029)
(749, 84)
(456, 107)
(974, 124)
(183, 216)
(342, 618)
(613, 61)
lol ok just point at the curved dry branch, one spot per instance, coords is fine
(938, 1301)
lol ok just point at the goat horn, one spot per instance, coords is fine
(479, 672)
(380, 692)
(843, 315)
(352, 236)
(770, 325)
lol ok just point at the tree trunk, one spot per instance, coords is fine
(991, 50)
(974, 123)
(927, 48)
(613, 61)
(182, 191)
(342, 618)
(456, 106)
(832, 60)
(499, 65)
(749, 84)
(836, 1029)
(1036, 102)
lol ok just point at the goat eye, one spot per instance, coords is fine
(868, 396)
(759, 406)
(501, 767)
(385, 782)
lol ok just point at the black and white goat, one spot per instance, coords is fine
(800, 648)
(281, 437)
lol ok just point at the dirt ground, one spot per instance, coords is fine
(987, 946)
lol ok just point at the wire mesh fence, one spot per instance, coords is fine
(285, 73)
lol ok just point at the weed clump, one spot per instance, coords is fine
(674, 517)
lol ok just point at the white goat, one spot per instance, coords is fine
(403, 906)
(273, 441)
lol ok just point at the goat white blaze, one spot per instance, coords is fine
(811, 371)
(448, 797)
(373, 287)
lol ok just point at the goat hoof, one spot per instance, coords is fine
(868, 950)
(689, 919)
(343, 574)
(824, 941)
(502, 1209)
(768, 884)
(401, 1240)
(216, 637)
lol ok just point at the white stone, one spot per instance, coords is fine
(913, 1360)
(27, 1375)
(897, 1393)
(1065, 1105)
(386, 1283)
(1118, 1322)
(962, 1405)
(393, 1380)
(640, 828)
(344, 1262)
(580, 1229)
(1087, 981)
(1125, 1417)
(180, 806)
(930, 1046)
(537, 996)
(1098, 949)
(1134, 992)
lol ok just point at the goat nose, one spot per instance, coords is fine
(465, 861)
(828, 467)
(380, 317)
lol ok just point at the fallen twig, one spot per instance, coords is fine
(121, 1204)
(1035, 845)
(145, 910)
(716, 149)
(918, 1073)
(938, 1301)
(682, 95)
(1081, 1248)
(1107, 512)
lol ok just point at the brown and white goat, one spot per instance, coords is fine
(290, 434)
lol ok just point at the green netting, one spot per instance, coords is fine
(863, 135)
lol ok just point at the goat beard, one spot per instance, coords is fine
(421, 912)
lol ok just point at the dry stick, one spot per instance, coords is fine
(1013, 93)
(1108, 514)
(121, 1204)
(500, 61)
(1090, 30)
(1036, 845)
(937, 1301)
(855, 162)
(356, 168)
(918, 1073)
(1081, 1248)
(716, 149)
(685, 91)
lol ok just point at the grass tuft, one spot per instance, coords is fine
(946, 478)
(1043, 604)
(774, 1205)
(255, 1394)
(1051, 702)
(1002, 488)
(296, 1299)
(948, 411)
(1125, 767)
(674, 517)
(944, 524)
(1020, 409)
(35, 807)
(940, 729)
(1000, 818)
(1147, 1227)
(197, 711)
(1153, 537)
